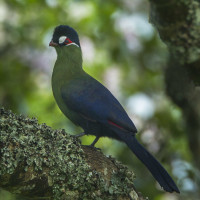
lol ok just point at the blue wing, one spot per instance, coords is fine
(90, 99)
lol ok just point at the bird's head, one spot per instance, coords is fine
(64, 36)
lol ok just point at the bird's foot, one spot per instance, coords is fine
(93, 143)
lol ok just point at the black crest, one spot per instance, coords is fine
(64, 30)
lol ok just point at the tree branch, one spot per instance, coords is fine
(178, 25)
(37, 161)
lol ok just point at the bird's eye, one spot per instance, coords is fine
(62, 39)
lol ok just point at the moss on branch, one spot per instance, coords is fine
(37, 161)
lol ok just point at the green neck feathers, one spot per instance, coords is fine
(68, 64)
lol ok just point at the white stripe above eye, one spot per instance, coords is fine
(62, 39)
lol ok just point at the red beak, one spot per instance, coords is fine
(53, 44)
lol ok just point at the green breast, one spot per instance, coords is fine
(58, 80)
(57, 83)
(67, 67)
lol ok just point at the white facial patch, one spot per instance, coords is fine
(62, 39)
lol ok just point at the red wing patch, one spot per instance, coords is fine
(113, 124)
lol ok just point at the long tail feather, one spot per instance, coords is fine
(156, 169)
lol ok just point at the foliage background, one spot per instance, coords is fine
(122, 50)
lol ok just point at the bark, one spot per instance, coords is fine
(39, 162)
(178, 23)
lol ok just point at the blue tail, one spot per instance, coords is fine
(156, 169)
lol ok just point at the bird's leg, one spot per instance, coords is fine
(95, 141)
(80, 135)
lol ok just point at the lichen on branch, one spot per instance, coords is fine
(37, 161)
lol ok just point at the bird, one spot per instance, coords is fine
(91, 106)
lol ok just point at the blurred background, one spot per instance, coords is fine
(122, 50)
